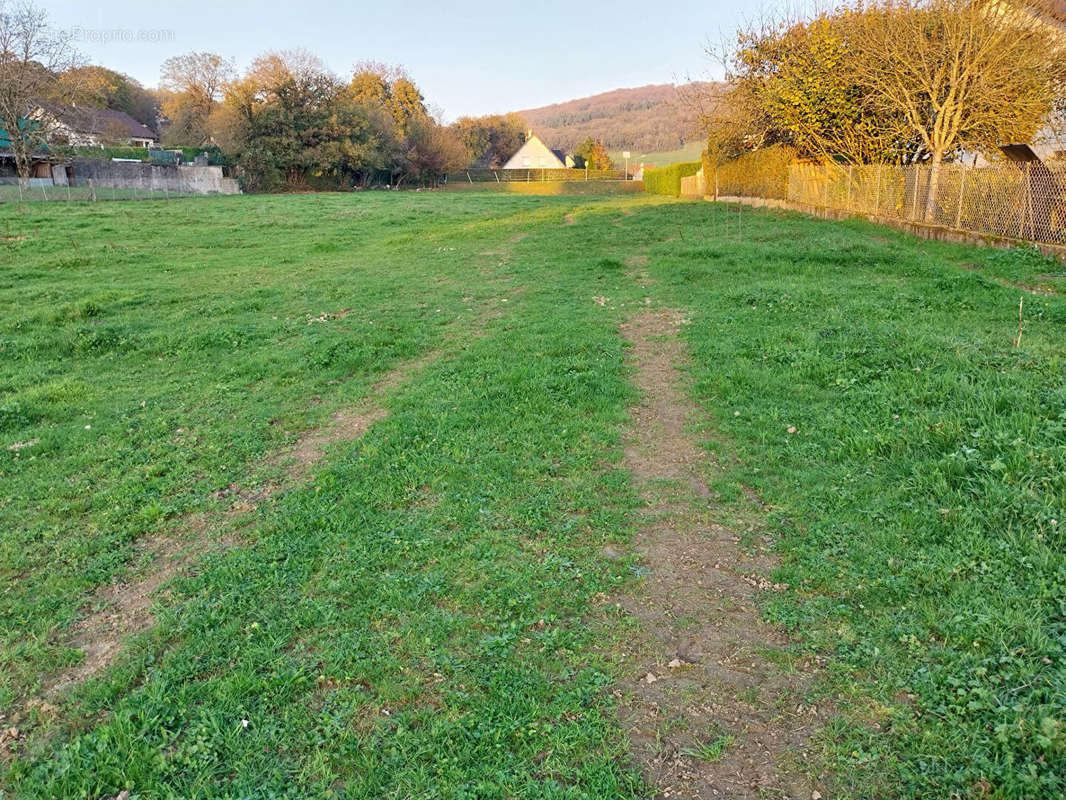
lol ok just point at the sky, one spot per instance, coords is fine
(468, 58)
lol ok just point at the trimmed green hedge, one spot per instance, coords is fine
(189, 154)
(107, 153)
(667, 180)
(763, 173)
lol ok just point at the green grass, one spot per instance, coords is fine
(12, 194)
(690, 152)
(418, 620)
(712, 750)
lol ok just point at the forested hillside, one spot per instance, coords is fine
(648, 119)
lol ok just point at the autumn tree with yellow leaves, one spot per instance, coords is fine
(900, 81)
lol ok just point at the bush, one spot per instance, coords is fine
(106, 153)
(763, 173)
(215, 156)
(667, 180)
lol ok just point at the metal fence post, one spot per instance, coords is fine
(877, 193)
(1029, 200)
(917, 177)
(962, 193)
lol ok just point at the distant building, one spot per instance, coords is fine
(534, 154)
(93, 127)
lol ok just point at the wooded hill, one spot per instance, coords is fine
(648, 119)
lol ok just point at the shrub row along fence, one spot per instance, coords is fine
(530, 175)
(667, 180)
(1017, 200)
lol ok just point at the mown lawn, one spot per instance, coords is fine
(424, 617)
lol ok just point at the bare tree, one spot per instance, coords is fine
(730, 117)
(31, 55)
(963, 73)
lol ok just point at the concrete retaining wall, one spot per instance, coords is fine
(184, 179)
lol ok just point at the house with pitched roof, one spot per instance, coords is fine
(93, 127)
(534, 154)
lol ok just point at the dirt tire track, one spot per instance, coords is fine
(700, 675)
(124, 609)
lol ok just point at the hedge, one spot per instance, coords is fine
(763, 173)
(667, 180)
(189, 154)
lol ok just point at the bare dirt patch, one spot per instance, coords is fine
(505, 250)
(710, 712)
(638, 270)
(570, 219)
(121, 609)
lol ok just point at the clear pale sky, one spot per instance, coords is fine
(467, 57)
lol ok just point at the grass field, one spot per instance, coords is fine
(317, 496)
(690, 152)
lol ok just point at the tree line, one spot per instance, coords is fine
(889, 81)
(286, 121)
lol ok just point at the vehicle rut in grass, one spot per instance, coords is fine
(711, 714)
(122, 609)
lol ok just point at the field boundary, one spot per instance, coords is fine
(550, 187)
(938, 233)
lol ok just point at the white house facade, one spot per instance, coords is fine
(534, 154)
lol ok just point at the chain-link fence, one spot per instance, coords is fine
(41, 192)
(533, 174)
(1019, 200)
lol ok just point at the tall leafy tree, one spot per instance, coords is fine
(958, 74)
(904, 80)
(406, 102)
(391, 89)
(432, 150)
(491, 140)
(370, 84)
(277, 114)
(593, 154)
(802, 78)
(191, 87)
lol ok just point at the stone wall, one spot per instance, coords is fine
(184, 179)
